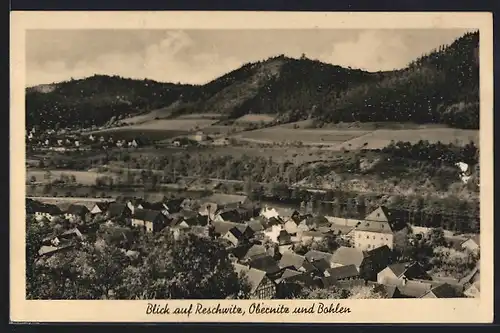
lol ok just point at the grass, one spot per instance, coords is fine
(313, 137)
(356, 138)
(256, 118)
(82, 177)
(157, 129)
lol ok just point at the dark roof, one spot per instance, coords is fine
(241, 250)
(444, 290)
(410, 270)
(415, 289)
(313, 255)
(146, 215)
(343, 272)
(153, 206)
(254, 276)
(222, 228)
(236, 232)
(321, 264)
(174, 205)
(117, 209)
(255, 250)
(77, 209)
(230, 215)
(103, 205)
(265, 263)
(284, 238)
(48, 208)
(317, 220)
(291, 259)
(255, 225)
(387, 217)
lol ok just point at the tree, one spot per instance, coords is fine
(436, 237)
(194, 268)
(323, 293)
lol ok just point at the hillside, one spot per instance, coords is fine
(439, 87)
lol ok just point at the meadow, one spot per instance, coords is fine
(82, 177)
(156, 130)
(255, 118)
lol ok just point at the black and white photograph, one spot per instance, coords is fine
(252, 164)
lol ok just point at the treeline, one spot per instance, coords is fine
(440, 87)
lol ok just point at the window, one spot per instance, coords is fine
(367, 237)
(373, 237)
(369, 246)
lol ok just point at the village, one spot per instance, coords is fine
(278, 250)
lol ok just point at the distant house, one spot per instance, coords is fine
(471, 244)
(159, 206)
(310, 236)
(200, 136)
(76, 211)
(150, 220)
(321, 266)
(398, 274)
(253, 251)
(222, 200)
(47, 250)
(208, 209)
(256, 226)
(99, 208)
(229, 216)
(376, 260)
(71, 235)
(134, 203)
(119, 211)
(380, 227)
(261, 287)
(174, 205)
(47, 211)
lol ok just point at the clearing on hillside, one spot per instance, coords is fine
(255, 118)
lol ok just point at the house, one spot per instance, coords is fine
(46, 211)
(229, 216)
(349, 272)
(236, 235)
(174, 205)
(265, 263)
(292, 260)
(256, 226)
(221, 228)
(150, 220)
(49, 250)
(376, 260)
(159, 206)
(442, 291)
(223, 200)
(180, 223)
(133, 203)
(471, 283)
(72, 235)
(310, 236)
(253, 251)
(398, 274)
(200, 136)
(291, 227)
(408, 289)
(119, 211)
(471, 244)
(381, 227)
(261, 286)
(76, 211)
(100, 208)
(321, 266)
(345, 256)
(314, 255)
(284, 238)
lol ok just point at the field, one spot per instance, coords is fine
(382, 138)
(313, 137)
(157, 130)
(255, 118)
(82, 177)
(356, 138)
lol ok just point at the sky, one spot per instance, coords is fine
(199, 56)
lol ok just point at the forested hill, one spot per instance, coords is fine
(439, 87)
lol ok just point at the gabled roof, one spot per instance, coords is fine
(472, 277)
(236, 232)
(174, 205)
(255, 225)
(117, 209)
(48, 208)
(313, 255)
(222, 228)
(73, 231)
(291, 259)
(265, 263)
(313, 234)
(77, 209)
(321, 264)
(410, 270)
(444, 291)
(255, 250)
(375, 226)
(147, 215)
(103, 205)
(284, 238)
(414, 289)
(254, 276)
(474, 238)
(348, 256)
(230, 215)
(153, 205)
(385, 215)
(343, 272)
